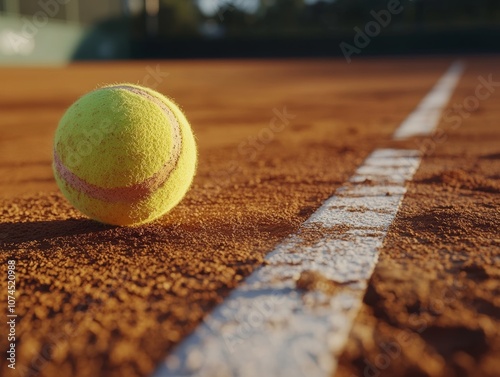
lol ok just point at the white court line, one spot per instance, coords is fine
(424, 119)
(268, 327)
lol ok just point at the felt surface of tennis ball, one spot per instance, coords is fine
(124, 154)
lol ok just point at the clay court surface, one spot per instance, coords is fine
(276, 139)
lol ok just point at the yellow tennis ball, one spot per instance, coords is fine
(124, 154)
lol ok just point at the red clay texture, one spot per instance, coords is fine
(276, 138)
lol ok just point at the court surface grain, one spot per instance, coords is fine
(276, 138)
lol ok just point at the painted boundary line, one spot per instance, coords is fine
(424, 119)
(292, 317)
(267, 326)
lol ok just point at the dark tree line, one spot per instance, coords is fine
(323, 18)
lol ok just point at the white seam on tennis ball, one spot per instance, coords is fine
(175, 127)
(139, 190)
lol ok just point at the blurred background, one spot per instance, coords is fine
(58, 31)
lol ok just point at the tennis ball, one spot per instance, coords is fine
(124, 154)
